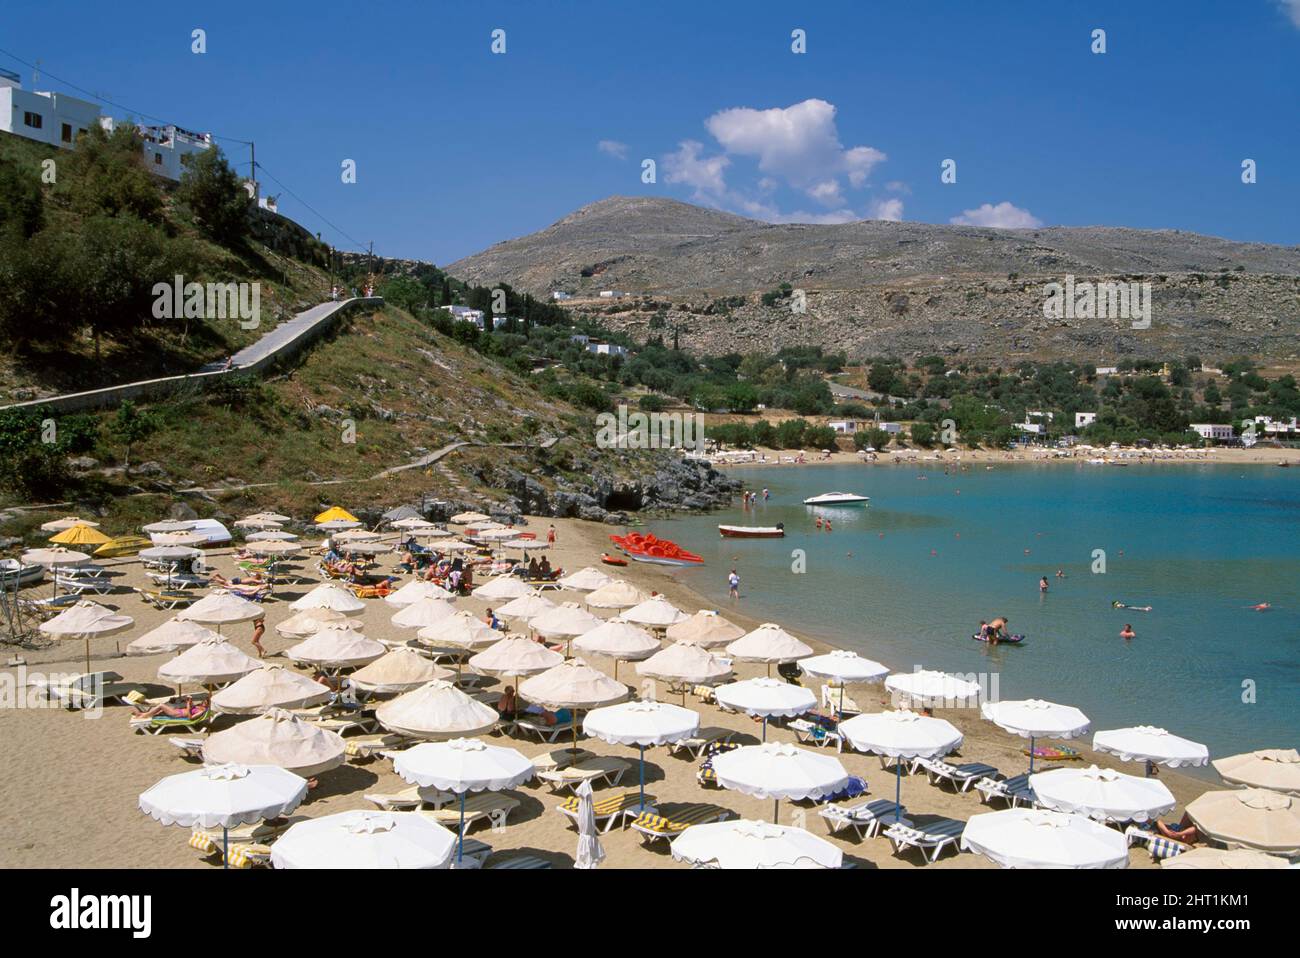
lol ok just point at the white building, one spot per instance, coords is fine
(559, 295)
(58, 119)
(1107, 370)
(1082, 419)
(612, 294)
(1276, 427)
(848, 427)
(605, 349)
(463, 314)
(1211, 430)
(1031, 428)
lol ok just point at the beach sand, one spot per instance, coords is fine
(71, 783)
(935, 458)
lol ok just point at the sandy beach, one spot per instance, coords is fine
(72, 783)
(761, 456)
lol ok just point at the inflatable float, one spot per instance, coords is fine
(1009, 640)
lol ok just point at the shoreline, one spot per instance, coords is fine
(987, 457)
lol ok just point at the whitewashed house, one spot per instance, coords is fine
(560, 296)
(1212, 430)
(605, 349)
(847, 427)
(463, 314)
(1084, 419)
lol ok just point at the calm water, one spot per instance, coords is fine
(907, 580)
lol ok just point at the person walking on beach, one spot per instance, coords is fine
(259, 629)
(733, 585)
(550, 533)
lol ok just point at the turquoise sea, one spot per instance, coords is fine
(907, 580)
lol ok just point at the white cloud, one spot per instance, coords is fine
(890, 209)
(1003, 216)
(704, 174)
(1292, 9)
(898, 186)
(827, 193)
(613, 148)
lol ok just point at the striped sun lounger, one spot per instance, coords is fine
(1158, 845)
(671, 820)
(523, 861)
(607, 810)
(932, 837)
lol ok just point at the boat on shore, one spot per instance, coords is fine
(837, 499)
(650, 548)
(752, 532)
(14, 573)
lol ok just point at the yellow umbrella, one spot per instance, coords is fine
(80, 535)
(334, 513)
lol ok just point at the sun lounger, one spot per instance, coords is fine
(523, 861)
(162, 723)
(701, 740)
(599, 770)
(607, 810)
(811, 733)
(493, 807)
(1014, 791)
(363, 747)
(249, 855)
(961, 776)
(164, 598)
(79, 585)
(211, 841)
(188, 747)
(856, 788)
(81, 680)
(177, 580)
(560, 758)
(670, 820)
(933, 837)
(474, 854)
(547, 733)
(706, 776)
(831, 701)
(347, 723)
(1158, 845)
(704, 693)
(407, 799)
(865, 818)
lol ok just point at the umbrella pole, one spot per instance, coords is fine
(87, 653)
(898, 788)
(776, 811)
(764, 728)
(225, 846)
(1031, 755)
(642, 747)
(460, 838)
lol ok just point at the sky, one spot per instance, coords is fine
(457, 147)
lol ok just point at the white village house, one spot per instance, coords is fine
(1211, 430)
(58, 119)
(1082, 419)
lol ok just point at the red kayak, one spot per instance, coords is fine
(608, 559)
(650, 548)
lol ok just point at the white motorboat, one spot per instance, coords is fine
(837, 499)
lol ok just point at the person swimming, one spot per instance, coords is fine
(1127, 632)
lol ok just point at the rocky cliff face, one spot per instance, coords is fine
(904, 288)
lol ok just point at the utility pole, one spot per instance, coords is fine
(252, 168)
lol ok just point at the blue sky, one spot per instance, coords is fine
(458, 148)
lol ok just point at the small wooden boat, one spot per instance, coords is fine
(752, 532)
(123, 546)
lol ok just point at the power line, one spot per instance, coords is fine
(356, 243)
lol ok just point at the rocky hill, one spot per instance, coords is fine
(876, 287)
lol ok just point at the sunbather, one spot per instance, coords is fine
(508, 704)
(1185, 832)
(190, 709)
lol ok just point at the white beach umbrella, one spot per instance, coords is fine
(463, 765)
(436, 710)
(310, 621)
(495, 535)
(52, 557)
(656, 612)
(272, 535)
(745, 844)
(354, 535)
(458, 546)
(66, 523)
(333, 648)
(501, 588)
(590, 852)
(642, 724)
(573, 684)
(277, 737)
(565, 620)
(1249, 818)
(208, 662)
(264, 517)
(931, 688)
(365, 548)
(220, 607)
(586, 579)
(273, 547)
(778, 770)
(469, 518)
(430, 533)
(705, 628)
(515, 655)
(1273, 768)
(416, 590)
(1224, 858)
(170, 553)
(1152, 745)
(189, 538)
(363, 839)
(327, 595)
(1034, 838)
(172, 635)
(224, 795)
(618, 640)
(411, 524)
(770, 644)
(526, 606)
(617, 595)
(398, 671)
(766, 698)
(423, 613)
(1102, 793)
(338, 525)
(1034, 718)
(271, 686)
(169, 525)
(86, 620)
(901, 735)
(685, 663)
(464, 630)
(843, 668)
